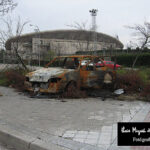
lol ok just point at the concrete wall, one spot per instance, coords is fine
(67, 46)
(59, 47)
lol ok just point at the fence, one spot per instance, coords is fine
(32, 59)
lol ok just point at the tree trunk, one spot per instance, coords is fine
(136, 58)
(20, 59)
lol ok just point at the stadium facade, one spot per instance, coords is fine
(62, 42)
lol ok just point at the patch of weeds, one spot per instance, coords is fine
(135, 81)
(145, 75)
(16, 80)
(146, 91)
(130, 81)
(3, 79)
(13, 77)
(121, 71)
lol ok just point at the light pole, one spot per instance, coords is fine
(37, 31)
(94, 14)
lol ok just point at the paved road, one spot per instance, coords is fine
(4, 147)
(89, 121)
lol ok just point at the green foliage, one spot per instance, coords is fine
(127, 59)
(121, 71)
(145, 75)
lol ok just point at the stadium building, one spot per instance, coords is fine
(62, 42)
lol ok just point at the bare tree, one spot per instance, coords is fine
(6, 6)
(82, 28)
(142, 34)
(8, 33)
(19, 30)
(79, 26)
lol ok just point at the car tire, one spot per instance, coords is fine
(71, 86)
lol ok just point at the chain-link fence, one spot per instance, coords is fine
(9, 58)
(33, 59)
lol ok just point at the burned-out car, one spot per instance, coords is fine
(65, 71)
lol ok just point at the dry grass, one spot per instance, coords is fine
(130, 81)
(14, 78)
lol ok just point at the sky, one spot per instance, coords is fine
(112, 17)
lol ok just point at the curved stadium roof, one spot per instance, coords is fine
(66, 35)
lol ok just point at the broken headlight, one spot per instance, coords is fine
(44, 85)
(52, 80)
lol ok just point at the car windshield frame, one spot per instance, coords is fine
(77, 61)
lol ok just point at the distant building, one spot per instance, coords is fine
(62, 42)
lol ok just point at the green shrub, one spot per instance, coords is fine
(145, 75)
(127, 59)
(121, 71)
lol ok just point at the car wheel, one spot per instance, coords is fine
(70, 90)
(71, 86)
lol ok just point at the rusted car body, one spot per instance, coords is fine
(64, 71)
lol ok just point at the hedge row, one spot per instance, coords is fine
(127, 59)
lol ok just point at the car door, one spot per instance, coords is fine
(90, 76)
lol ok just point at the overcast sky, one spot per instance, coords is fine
(112, 15)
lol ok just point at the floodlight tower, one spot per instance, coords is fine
(93, 29)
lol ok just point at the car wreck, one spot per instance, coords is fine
(64, 72)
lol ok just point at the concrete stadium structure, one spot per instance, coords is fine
(62, 42)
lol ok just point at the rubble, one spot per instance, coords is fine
(119, 91)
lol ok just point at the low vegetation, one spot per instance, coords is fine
(127, 59)
(14, 78)
(129, 81)
(132, 81)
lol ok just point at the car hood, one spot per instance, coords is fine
(44, 74)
